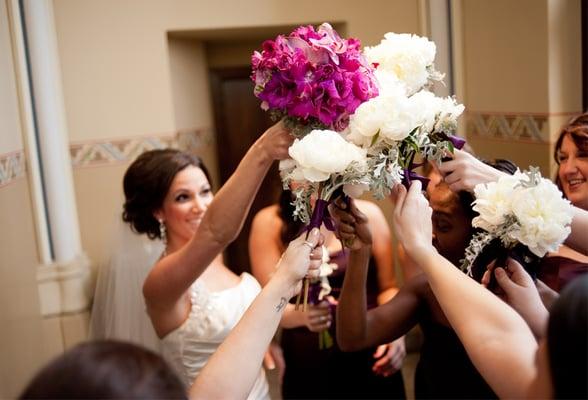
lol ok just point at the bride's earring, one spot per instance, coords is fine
(163, 232)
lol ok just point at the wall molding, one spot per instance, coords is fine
(12, 167)
(518, 127)
(123, 150)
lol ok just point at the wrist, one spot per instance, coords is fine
(261, 150)
(283, 284)
(420, 252)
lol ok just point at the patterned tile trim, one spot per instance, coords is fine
(117, 151)
(518, 127)
(12, 167)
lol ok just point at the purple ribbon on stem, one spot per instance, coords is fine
(457, 141)
(320, 216)
(410, 175)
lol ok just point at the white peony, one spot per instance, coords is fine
(494, 202)
(543, 217)
(409, 57)
(393, 116)
(366, 122)
(322, 153)
(448, 112)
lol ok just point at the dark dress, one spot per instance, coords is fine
(556, 272)
(444, 370)
(331, 373)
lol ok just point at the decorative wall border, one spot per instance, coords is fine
(12, 167)
(123, 150)
(521, 127)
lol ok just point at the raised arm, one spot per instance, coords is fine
(381, 250)
(358, 328)
(265, 249)
(497, 339)
(464, 172)
(231, 371)
(173, 274)
(389, 357)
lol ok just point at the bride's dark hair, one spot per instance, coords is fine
(146, 183)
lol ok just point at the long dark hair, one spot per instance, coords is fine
(577, 129)
(146, 183)
(567, 341)
(106, 370)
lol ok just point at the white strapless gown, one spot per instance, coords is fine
(212, 316)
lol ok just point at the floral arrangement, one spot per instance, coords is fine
(405, 120)
(321, 163)
(523, 208)
(313, 78)
(361, 118)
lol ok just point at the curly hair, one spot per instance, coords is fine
(577, 129)
(146, 183)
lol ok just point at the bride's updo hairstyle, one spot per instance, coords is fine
(146, 183)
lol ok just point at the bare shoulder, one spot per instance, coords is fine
(369, 208)
(267, 218)
(376, 219)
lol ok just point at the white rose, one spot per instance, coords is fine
(322, 153)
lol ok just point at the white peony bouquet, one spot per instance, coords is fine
(405, 119)
(321, 163)
(520, 209)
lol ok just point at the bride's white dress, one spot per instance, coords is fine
(212, 316)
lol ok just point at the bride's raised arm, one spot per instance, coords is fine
(222, 222)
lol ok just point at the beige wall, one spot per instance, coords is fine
(125, 75)
(135, 76)
(521, 76)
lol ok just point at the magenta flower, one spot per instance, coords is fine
(313, 76)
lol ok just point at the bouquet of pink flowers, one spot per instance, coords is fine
(313, 78)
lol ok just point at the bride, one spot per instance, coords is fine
(191, 297)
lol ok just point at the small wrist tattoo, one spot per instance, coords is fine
(282, 304)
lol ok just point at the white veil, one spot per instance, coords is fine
(118, 311)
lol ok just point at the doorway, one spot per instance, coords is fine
(239, 121)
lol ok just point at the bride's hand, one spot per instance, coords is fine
(275, 141)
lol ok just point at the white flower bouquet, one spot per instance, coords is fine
(322, 163)
(405, 120)
(520, 209)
